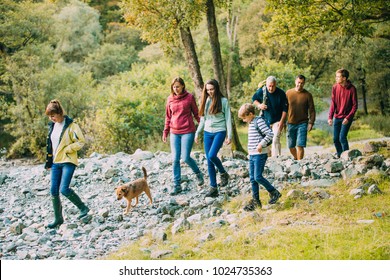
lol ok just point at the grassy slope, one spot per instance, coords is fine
(293, 230)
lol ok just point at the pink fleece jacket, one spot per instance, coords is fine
(180, 111)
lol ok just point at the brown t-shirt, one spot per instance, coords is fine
(300, 107)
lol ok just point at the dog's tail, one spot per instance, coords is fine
(145, 174)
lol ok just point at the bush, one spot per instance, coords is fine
(132, 109)
(378, 123)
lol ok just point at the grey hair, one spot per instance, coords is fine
(271, 79)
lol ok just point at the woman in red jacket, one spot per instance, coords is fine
(180, 111)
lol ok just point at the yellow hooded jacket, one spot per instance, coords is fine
(71, 140)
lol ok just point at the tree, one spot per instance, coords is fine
(310, 18)
(215, 46)
(164, 21)
(218, 65)
(24, 23)
(78, 31)
(109, 60)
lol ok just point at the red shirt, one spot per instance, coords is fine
(180, 112)
(344, 102)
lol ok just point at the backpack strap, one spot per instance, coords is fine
(264, 88)
(258, 129)
(257, 125)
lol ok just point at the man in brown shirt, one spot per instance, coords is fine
(301, 116)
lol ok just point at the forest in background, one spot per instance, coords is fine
(111, 62)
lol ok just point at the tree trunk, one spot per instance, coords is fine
(215, 46)
(362, 80)
(218, 66)
(192, 60)
(231, 30)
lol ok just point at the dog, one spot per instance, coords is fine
(133, 190)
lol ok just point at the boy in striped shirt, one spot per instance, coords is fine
(259, 138)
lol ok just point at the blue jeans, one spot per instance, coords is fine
(61, 175)
(212, 144)
(297, 135)
(340, 132)
(181, 145)
(256, 168)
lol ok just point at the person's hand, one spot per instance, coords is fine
(309, 127)
(281, 126)
(262, 107)
(259, 148)
(196, 139)
(330, 122)
(345, 121)
(228, 141)
(164, 138)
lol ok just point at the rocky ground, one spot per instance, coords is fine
(25, 205)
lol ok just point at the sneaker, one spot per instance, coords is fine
(274, 196)
(224, 179)
(199, 178)
(176, 190)
(213, 192)
(252, 205)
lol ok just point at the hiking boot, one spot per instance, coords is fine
(58, 219)
(199, 178)
(224, 179)
(176, 190)
(213, 192)
(75, 199)
(252, 205)
(274, 196)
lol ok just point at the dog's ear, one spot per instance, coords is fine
(124, 189)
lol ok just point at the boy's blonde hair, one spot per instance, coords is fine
(245, 110)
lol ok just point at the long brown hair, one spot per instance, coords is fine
(54, 107)
(216, 104)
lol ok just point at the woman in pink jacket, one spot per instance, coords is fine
(180, 111)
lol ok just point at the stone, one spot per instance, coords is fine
(26, 206)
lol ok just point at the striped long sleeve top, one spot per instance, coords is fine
(255, 137)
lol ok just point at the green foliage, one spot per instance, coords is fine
(78, 31)
(132, 113)
(33, 88)
(377, 123)
(117, 33)
(310, 18)
(109, 60)
(24, 22)
(161, 19)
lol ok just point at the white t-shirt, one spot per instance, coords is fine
(56, 134)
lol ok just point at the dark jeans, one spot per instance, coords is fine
(256, 168)
(61, 175)
(212, 144)
(340, 132)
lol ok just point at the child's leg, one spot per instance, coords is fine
(259, 164)
(254, 184)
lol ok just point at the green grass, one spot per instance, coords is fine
(378, 123)
(299, 229)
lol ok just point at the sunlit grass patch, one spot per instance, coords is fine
(294, 229)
